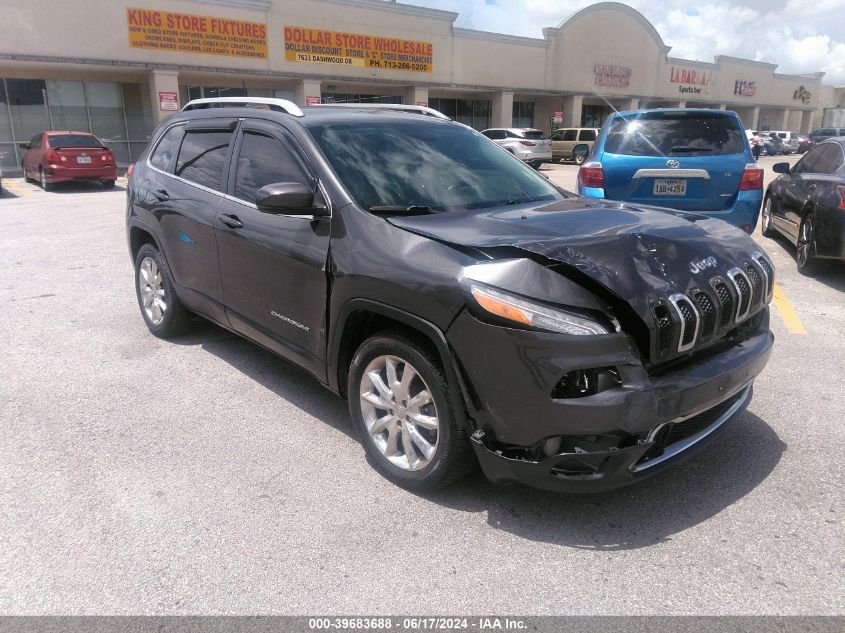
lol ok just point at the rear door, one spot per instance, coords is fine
(812, 183)
(568, 141)
(273, 266)
(691, 161)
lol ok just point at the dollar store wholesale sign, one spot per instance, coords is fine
(186, 33)
(353, 49)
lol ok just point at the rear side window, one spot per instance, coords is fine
(163, 154)
(535, 135)
(829, 160)
(35, 143)
(495, 134)
(202, 157)
(570, 135)
(675, 134)
(587, 135)
(807, 165)
(264, 160)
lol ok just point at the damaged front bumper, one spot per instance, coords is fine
(598, 471)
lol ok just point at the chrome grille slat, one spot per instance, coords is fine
(768, 273)
(690, 320)
(744, 291)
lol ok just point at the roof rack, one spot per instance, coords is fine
(396, 107)
(279, 105)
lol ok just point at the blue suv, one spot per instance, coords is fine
(686, 159)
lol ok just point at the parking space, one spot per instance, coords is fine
(205, 475)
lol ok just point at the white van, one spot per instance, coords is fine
(790, 141)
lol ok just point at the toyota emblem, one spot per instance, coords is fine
(672, 164)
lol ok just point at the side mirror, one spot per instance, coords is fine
(289, 198)
(23, 145)
(780, 168)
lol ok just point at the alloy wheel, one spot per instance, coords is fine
(805, 242)
(152, 290)
(43, 177)
(399, 412)
(767, 214)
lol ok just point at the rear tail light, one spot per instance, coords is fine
(55, 157)
(107, 157)
(528, 143)
(591, 175)
(129, 170)
(752, 178)
(840, 189)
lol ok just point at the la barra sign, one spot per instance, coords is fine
(188, 33)
(340, 48)
(693, 82)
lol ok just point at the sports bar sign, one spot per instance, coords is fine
(353, 49)
(186, 33)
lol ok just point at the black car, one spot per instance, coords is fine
(823, 133)
(460, 301)
(807, 205)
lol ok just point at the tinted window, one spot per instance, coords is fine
(264, 160)
(556, 136)
(807, 164)
(587, 135)
(534, 135)
(35, 143)
(202, 157)
(569, 135)
(675, 134)
(495, 134)
(74, 140)
(438, 165)
(167, 148)
(829, 160)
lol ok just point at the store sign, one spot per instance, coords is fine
(186, 33)
(312, 101)
(558, 118)
(693, 82)
(422, 103)
(745, 88)
(352, 49)
(168, 101)
(802, 94)
(612, 76)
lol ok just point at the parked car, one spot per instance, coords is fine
(1, 179)
(805, 143)
(690, 160)
(460, 301)
(573, 143)
(54, 157)
(527, 144)
(823, 133)
(771, 144)
(806, 204)
(789, 139)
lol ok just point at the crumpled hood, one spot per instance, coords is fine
(639, 253)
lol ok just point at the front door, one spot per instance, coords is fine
(273, 266)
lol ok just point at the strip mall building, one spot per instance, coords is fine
(116, 68)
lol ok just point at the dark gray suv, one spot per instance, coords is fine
(468, 309)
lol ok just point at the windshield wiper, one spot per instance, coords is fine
(414, 209)
(692, 148)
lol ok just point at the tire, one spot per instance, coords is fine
(167, 320)
(806, 248)
(108, 184)
(440, 452)
(579, 159)
(42, 179)
(766, 226)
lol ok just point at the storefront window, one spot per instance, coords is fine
(26, 100)
(343, 97)
(139, 117)
(7, 148)
(523, 114)
(67, 105)
(472, 112)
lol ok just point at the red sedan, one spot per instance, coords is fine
(53, 157)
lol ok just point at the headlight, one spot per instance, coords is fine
(535, 315)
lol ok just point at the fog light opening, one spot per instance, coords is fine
(581, 383)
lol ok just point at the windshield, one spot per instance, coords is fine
(443, 166)
(677, 133)
(74, 140)
(534, 135)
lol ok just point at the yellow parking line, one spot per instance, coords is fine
(15, 188)
(787, 313)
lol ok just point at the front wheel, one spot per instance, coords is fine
(161, 309)
(767, 229)
(399, 401)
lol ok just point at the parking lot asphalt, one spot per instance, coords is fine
(204, 475)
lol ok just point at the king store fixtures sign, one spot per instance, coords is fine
(612, 76)
(693, 82)
(745, 88)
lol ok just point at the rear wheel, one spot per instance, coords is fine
(160, 307)
(399, 402)
(42, 178)
(580, 158)
(804, 256)
(767, 229)
(108, 184)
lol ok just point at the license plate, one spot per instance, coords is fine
(83, 160)
(670, 187)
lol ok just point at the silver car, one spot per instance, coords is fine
(525, 143)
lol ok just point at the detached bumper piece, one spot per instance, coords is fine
(637, 457)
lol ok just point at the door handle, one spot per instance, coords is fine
(161, 195)
(231, 221)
